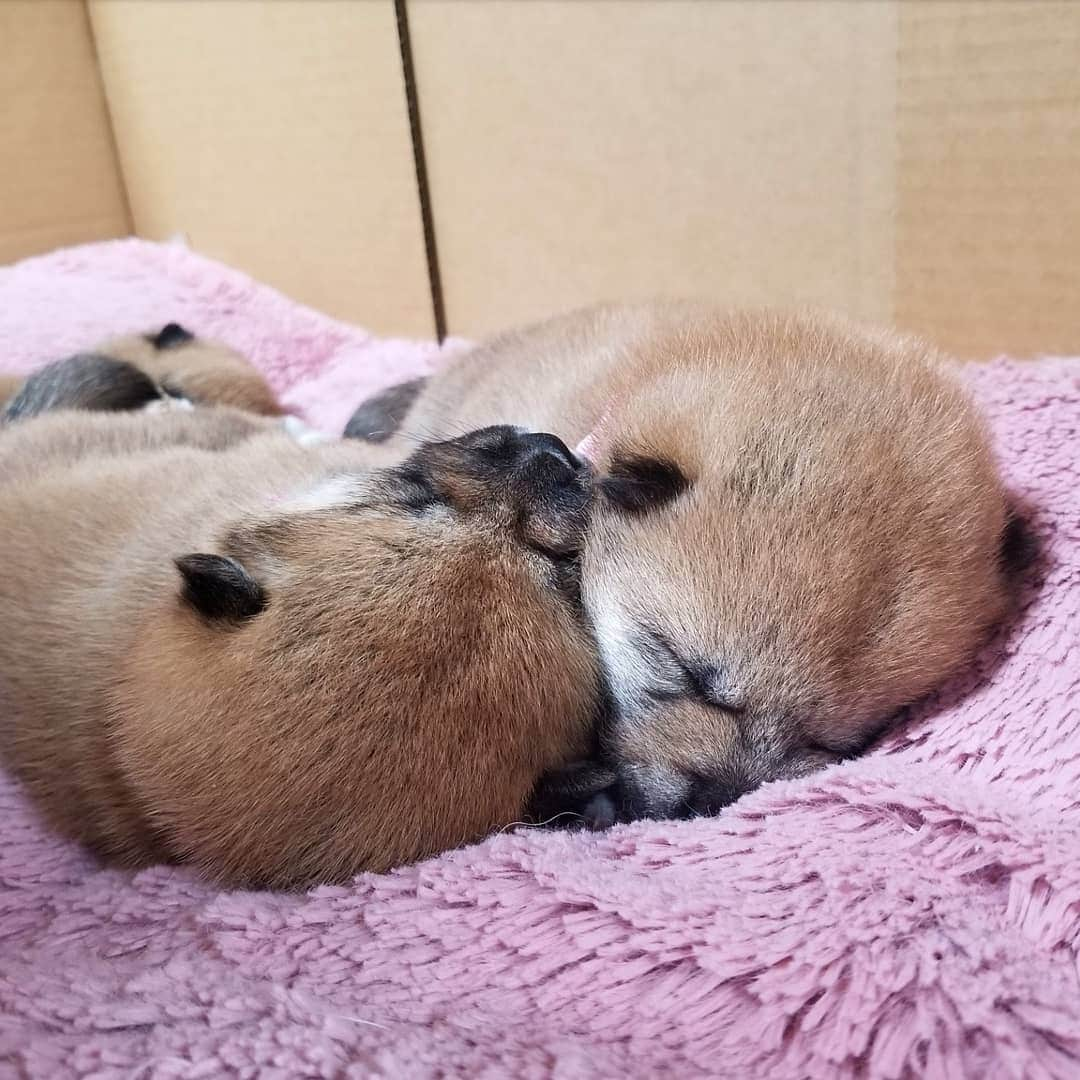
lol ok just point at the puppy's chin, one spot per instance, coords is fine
(596, 795)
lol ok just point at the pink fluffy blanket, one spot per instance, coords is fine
(914, 913)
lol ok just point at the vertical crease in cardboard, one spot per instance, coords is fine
(423, 189)
(118, 160)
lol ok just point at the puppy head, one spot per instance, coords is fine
(797, 532)
(428, 616)
(500, 493)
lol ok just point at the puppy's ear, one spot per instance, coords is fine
(1019, 546)
(637, 484)
(171, 336)
(220, 588)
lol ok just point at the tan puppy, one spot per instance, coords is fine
(170, 363)
(267, 661)
(799, 533)
(200, 370)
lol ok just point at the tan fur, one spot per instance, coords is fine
(835, 557)
(410, 678)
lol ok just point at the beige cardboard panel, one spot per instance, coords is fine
(988, 221)
(274, 136)
(590, 149)
(60, 183)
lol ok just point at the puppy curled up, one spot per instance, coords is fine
(128, 373)
(223, 648)
(799, 529)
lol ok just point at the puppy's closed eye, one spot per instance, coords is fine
(638, 484)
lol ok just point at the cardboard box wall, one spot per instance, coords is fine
(911, 162)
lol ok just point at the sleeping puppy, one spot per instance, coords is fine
(266, 660)
(799, 530)
(131, 372)
(199, 370)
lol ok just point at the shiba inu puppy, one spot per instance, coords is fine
(799, 530)
(220, 647)
(131, 372)
(199, 370)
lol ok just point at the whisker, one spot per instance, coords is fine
(357, 1020)
(539, 824)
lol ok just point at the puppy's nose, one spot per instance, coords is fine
(540, 448)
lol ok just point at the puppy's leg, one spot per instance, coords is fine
(379, 417)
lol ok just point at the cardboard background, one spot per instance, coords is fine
(274, 136)
(913, 163)
(59, 180)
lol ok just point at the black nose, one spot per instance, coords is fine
(548, 451)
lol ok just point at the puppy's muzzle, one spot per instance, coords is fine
(547, 455)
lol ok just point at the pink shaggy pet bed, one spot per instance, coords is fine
(912, 914)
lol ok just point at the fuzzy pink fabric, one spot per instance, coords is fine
(912, 914)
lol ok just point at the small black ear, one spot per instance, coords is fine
(1019, 547)
(637, 484)
(220, 588)
(171, 336)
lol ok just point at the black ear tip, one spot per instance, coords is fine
(1019, 545)
(220, 588)
(170, 336)
(638, 484)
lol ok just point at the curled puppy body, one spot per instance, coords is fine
(202, 371)
(275, 664)
(138, 370)
(799, 531)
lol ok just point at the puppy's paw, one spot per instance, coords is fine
(169, 404)
(300, 432)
